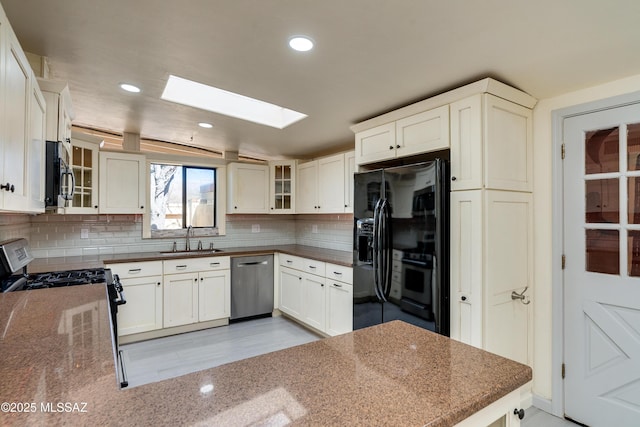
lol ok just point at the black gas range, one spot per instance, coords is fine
(56, 279)
(14, 258)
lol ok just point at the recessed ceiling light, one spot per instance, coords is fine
(301, 43)
(205, 125)
(221, 101)
(129, 88)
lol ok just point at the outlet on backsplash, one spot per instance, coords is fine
(314, 228)
(255, 228)
(84, 233)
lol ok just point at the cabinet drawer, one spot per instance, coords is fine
(314, 267)
(339, 273)
(190, 265)
(396, 276)
(136, 269)
(396, 266)
(291, 261)
(396, 254)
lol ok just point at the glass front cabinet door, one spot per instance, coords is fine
(282, 189)
(84, 163)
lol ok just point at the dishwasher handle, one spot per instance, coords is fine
(246, 264)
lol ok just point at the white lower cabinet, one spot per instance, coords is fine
(176, 292)
(483, 312)
(214, 299)
(291, 291)
(180, 299)
(314, 301)
(142, 287)
(196, 290)
(317, 294)
(339, 308)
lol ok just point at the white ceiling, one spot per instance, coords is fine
(371, 56)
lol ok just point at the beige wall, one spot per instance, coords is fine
(543, 185)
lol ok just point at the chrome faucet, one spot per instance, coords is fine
(187, 246)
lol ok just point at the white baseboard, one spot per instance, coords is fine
(543, 404)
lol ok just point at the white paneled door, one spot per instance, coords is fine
(602, 274)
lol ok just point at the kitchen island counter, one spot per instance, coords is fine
(58, 368)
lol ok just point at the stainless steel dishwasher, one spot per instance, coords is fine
(251, 286)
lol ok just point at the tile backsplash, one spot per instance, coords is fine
(52, 235)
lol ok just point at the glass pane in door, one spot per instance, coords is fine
(602, 151)
(602, 201)
(603, 251)
(633, 247)
(633, 147)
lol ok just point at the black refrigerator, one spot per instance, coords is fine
(401, 246)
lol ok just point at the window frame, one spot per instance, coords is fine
(220, 195)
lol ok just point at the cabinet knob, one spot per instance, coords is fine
(235, 207)
(271, 207)
(463, 298)
(391, 147)
(519, 413)
(141, 207)
(453, 178)
(158, 284)
(397, 146)
(95, 207)
(8, 187)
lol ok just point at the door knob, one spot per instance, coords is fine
(521, 296)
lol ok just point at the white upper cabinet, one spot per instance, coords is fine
(321, 185)
(331, 184)
(419, 133)
(307, 187)
(349, 172)
(247, 188)
(36, 151)
(84, 163)
(376, 144)
(491, 144)
(59, 111)
(282, 185)
(423, 132)
(122, 183)
(21, 128)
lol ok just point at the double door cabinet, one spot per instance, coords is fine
(318, 294)
(22, 128)
(322, 185)
(171, 293)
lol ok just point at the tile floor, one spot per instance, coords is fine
(169, 357)
(163, 358)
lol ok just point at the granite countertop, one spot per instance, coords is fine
(41, 265)
(56, 349)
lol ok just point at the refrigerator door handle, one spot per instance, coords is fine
(376, 249)
(385, 283)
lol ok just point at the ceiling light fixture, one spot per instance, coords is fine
(205, 125)
(301, 43)
(129, 88)
(209, 98)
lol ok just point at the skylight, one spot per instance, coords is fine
(220, 101)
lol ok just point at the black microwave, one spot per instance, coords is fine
(60, 181)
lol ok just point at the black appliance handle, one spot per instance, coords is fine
(386, 250)
(68, 172)
(375, 258)
(119, 289)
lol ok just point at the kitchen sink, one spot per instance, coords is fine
(194, 252)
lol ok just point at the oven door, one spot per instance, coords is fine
(416, 282)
